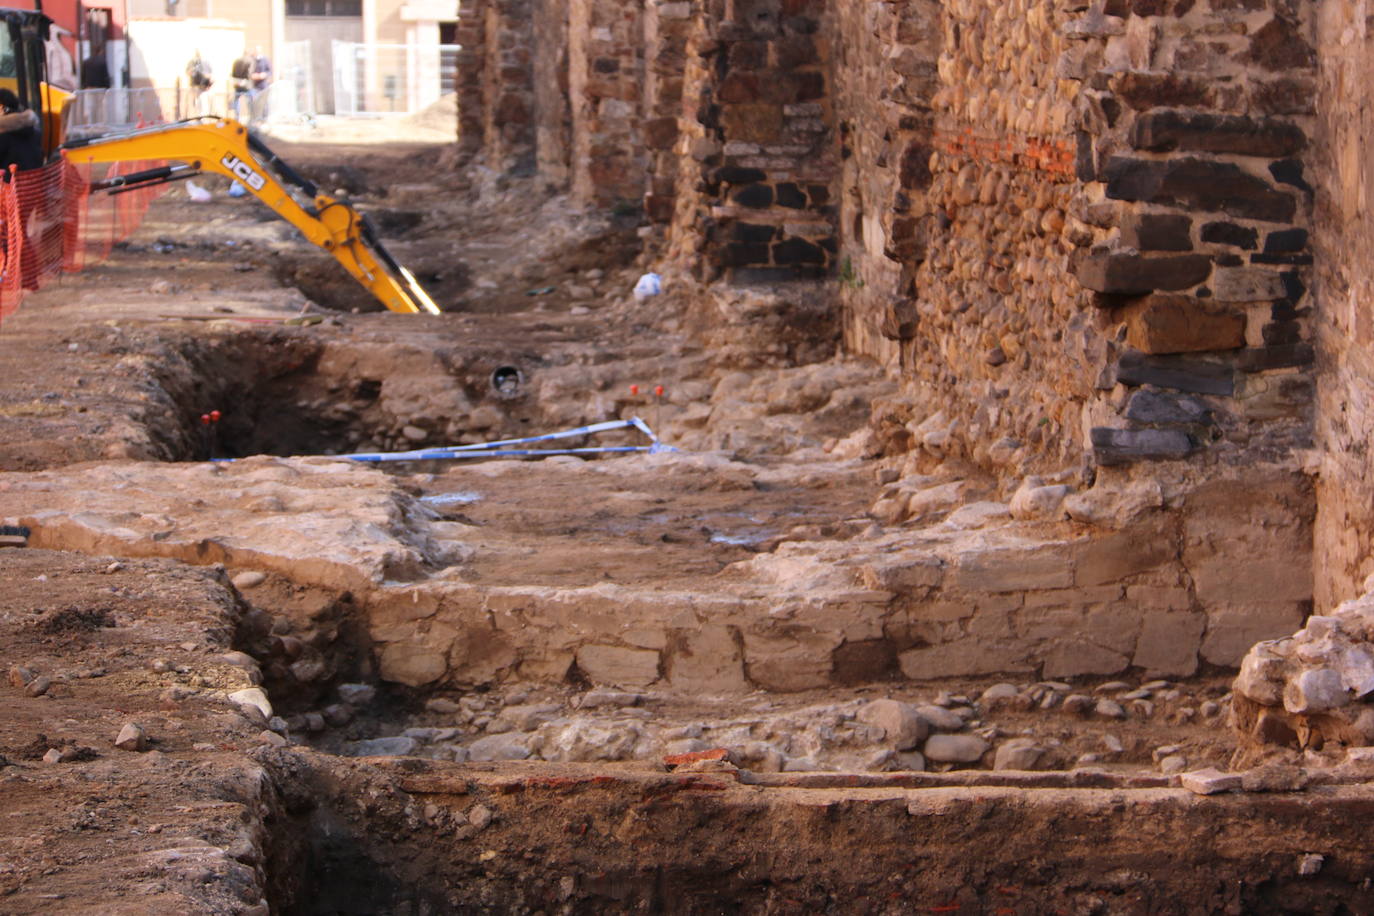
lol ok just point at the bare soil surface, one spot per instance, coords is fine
(225, 811)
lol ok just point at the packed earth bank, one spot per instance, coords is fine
(787, 604)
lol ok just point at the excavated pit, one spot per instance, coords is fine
(568, 545)
(757, 514)
(275, 392)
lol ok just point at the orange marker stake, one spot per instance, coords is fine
(210, 421)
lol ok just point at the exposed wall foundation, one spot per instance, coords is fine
(1078, 234)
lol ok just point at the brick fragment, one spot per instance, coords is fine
(677, 760)
(1127, 273)
(1165, 130)
(1181, 324)
(1197, 184)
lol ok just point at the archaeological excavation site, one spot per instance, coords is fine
(865, 456)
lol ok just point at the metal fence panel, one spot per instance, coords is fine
(376, 80)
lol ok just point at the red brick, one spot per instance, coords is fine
(715, 753)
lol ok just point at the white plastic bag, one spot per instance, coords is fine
(197, 193)
(648, 285)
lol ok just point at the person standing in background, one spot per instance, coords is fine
(260, 78)
(95, 71)
(241, 84)
(199, 75)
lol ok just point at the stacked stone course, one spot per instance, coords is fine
(1192, 126)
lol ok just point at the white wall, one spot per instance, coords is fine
(163, 47)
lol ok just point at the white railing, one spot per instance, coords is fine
(292, 94)
(100, 111)
(376, 80)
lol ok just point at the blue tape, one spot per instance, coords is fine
(496, 449)
(566, 434)
(443, 454)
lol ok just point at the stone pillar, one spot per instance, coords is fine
(1195, 189)
(553, 116)
(471, 34)
(1343, 236)
(605, 76)
(758, 142)
(508, 96)
(885, 81)
(667, 27)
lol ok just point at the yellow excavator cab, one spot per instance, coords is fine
(24, 46)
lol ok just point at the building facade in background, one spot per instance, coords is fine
(346, 56)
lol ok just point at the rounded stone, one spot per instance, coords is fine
(249, 579)
(1315, 690)
(955, 748)
(400, 746)
(904, 727)
(253, 698)
(1018, 754)
(942, 719)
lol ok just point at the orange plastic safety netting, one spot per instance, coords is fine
(51, 222)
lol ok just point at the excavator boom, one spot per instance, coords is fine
(229, 148)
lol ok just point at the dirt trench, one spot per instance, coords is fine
(213, 816)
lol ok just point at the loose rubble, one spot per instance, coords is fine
(1313, 688)
(1002, 726)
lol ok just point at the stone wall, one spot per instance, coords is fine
(1344, 240)
(606, 79)
(758, 158)
(1081, 232)
(553, 116)
(1077, 230)
(1194, 125)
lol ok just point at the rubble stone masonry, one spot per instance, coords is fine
(1344, 242)
(1103, 257)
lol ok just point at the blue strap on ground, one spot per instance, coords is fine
(566, 434)
(498, 448)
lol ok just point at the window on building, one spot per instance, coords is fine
(324, 7)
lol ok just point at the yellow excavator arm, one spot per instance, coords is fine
(230, 149)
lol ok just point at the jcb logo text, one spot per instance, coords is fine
(242, 172)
